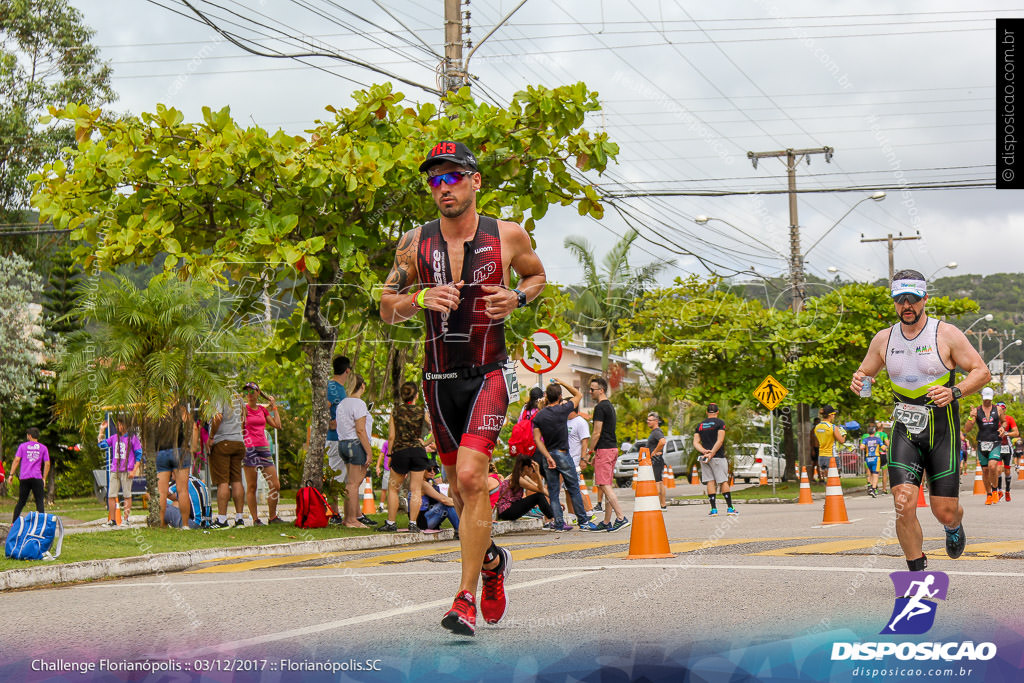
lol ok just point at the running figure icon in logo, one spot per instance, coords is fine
(916, 594)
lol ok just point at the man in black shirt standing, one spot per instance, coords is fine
(551, 434)
(656, 446)
(709, 440)
(605, 450)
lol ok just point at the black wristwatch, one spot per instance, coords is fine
(957, 393)
(522, 298)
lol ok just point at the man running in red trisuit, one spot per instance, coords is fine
(458, 270)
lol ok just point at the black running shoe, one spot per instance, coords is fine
(956, 541)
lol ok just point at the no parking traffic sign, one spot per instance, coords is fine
(542, 353)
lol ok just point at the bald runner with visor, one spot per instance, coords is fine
(921, 355)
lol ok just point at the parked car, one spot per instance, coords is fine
(628, 459)
(677, 450)
(749, 457)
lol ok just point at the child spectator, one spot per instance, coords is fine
(123, 449)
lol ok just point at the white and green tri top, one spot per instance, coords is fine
(914, 365)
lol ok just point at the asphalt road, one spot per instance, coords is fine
(771, 574)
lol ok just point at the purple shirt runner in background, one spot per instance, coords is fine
(32, 454)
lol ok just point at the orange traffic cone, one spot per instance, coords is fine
(764, 476)
(648, 538)
(835, 505)
(597, 489)
(694, 479)
(369, 505)
(635, 474)
(817, 474)
(670, 478)
(805, 489)
(921, 503)
(587, 505)
(1020, 469)
(979, 482)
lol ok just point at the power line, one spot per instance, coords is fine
(311, 53)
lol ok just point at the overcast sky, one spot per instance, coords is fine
(903, 91)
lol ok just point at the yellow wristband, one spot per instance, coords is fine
(420, 298)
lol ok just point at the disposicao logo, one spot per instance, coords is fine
(914, 611)
(917, 595)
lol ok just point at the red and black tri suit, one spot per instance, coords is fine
(464, 350)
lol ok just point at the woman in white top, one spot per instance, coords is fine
(353, 420)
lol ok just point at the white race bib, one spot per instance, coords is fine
(913, 417)
(986, 446)
(511, 381)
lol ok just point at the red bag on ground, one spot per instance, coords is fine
(310, 507)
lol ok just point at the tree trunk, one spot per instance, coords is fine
(320, 372)
(148, 433)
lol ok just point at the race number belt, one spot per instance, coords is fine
(913, 417)
(1005, 449)
(986, 446)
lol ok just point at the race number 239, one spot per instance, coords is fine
(915, 418)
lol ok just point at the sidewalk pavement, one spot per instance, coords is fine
(161, 563)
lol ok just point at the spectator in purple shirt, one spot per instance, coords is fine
(35, 467)
(123, 449)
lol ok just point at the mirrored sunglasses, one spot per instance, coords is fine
(450, 178)
(906, 298)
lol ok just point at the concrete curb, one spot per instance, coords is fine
(121, 567)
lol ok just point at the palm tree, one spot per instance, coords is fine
(142, 352)
(609, 295)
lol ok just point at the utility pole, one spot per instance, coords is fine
(890, 239)
(796, 259)
(453, 76)
(796, 275)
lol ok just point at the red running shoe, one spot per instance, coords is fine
(492, 601)
(461, 618)
(1000, 495)
(1007, 496)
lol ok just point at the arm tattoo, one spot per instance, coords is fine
(405, 263)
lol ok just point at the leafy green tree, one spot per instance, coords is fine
(46, 58)
(717, 346)
(608, 293)
(313, 218)
(142, 352)
(20, 343)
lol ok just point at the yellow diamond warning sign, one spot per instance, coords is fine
(770, 392)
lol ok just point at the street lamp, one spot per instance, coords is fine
(1002, 374)
(951, 265)
(703, 220)
(987, 317)
(877, 196)
(835, 271)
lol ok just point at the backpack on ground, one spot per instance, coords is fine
(32, 536)
(199, 499)
(520, 441)
(311, 508)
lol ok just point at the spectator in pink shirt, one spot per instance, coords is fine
(257, 452)
(34, 459)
